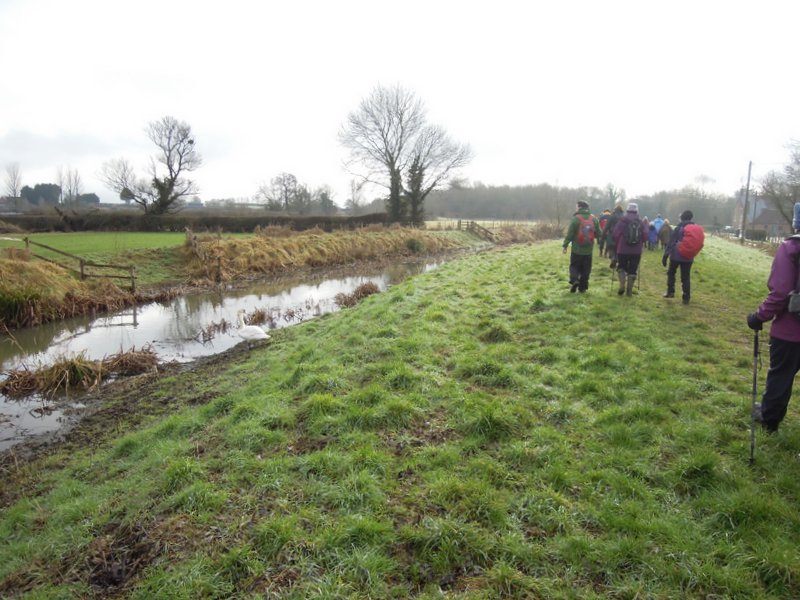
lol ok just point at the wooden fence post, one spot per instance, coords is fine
(133, 281)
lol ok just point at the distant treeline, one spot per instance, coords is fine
(125, 220)
(550, 203)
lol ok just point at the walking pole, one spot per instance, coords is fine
(753, 403)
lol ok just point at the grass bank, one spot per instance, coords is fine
(275, 249)
(34, 292)
(476, 432)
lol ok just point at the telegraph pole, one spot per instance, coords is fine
(746, 200)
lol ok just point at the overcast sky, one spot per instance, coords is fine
(647, 95)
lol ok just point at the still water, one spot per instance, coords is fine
(172, 330)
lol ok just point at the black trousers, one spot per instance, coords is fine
(580, 267)
(784, 363)
(686, 269)
(628, 263)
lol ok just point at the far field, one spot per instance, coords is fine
(151, 253)
(475, 432)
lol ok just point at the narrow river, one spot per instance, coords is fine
(172, 331)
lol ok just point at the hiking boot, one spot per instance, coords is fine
(668, 295)
(631, 280)
(685, 299)
(573, 288)
(621, 275)
(758, 417)
(613, 265)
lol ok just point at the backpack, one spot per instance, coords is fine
(692, 241)
(603, 221)
(633, 233)
(585, 230)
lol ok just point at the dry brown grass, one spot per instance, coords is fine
(6, 227)
(36, 292)
(77, 373)
(517, 234)
(361, 292)
(212, 258)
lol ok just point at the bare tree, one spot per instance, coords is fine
(614, 195)
(13, 181)
(354, 202)
(161, 192)
(380, 135)
(434, 158)
(70, 184)
(782, 188)
(281, 193)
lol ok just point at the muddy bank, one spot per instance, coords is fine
(120, 406)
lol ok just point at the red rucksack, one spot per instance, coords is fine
(692, 241)
(585, 230)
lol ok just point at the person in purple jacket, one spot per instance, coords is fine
(784, 334)
(630, 234)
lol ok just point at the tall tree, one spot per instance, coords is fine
(782, 188)
(280, 193)
(13, 182)
(380, 135)
(434, 158)
(613, 195)
(167, 185)
(41, 194)
(71, 185)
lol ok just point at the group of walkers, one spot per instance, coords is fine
(622, 236)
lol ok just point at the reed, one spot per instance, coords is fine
(76, 373)
(347, 300)
(212, 258)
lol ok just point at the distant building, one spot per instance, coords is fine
(761, 216)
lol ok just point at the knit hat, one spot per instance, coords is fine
(582, 204)
(633, 207)
(687, 215)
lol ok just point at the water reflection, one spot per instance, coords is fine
(172, 329)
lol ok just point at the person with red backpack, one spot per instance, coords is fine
(601, 241)
(630, 234)
(582, 232)
(685, 243)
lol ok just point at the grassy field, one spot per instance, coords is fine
(153, 254)
(476, 432)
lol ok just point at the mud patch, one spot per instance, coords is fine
(119, 553)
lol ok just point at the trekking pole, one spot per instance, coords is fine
(639, 279)
(753, 403)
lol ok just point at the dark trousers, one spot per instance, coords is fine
(628, 263)
(686, 268)
(580, 266)
(784, 363)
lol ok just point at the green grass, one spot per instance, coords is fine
(476, 432)
(153, 254)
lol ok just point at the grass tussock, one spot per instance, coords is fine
(211, 258)
(362, 291)
(77, 373)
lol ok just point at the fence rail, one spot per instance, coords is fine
(83, 264)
